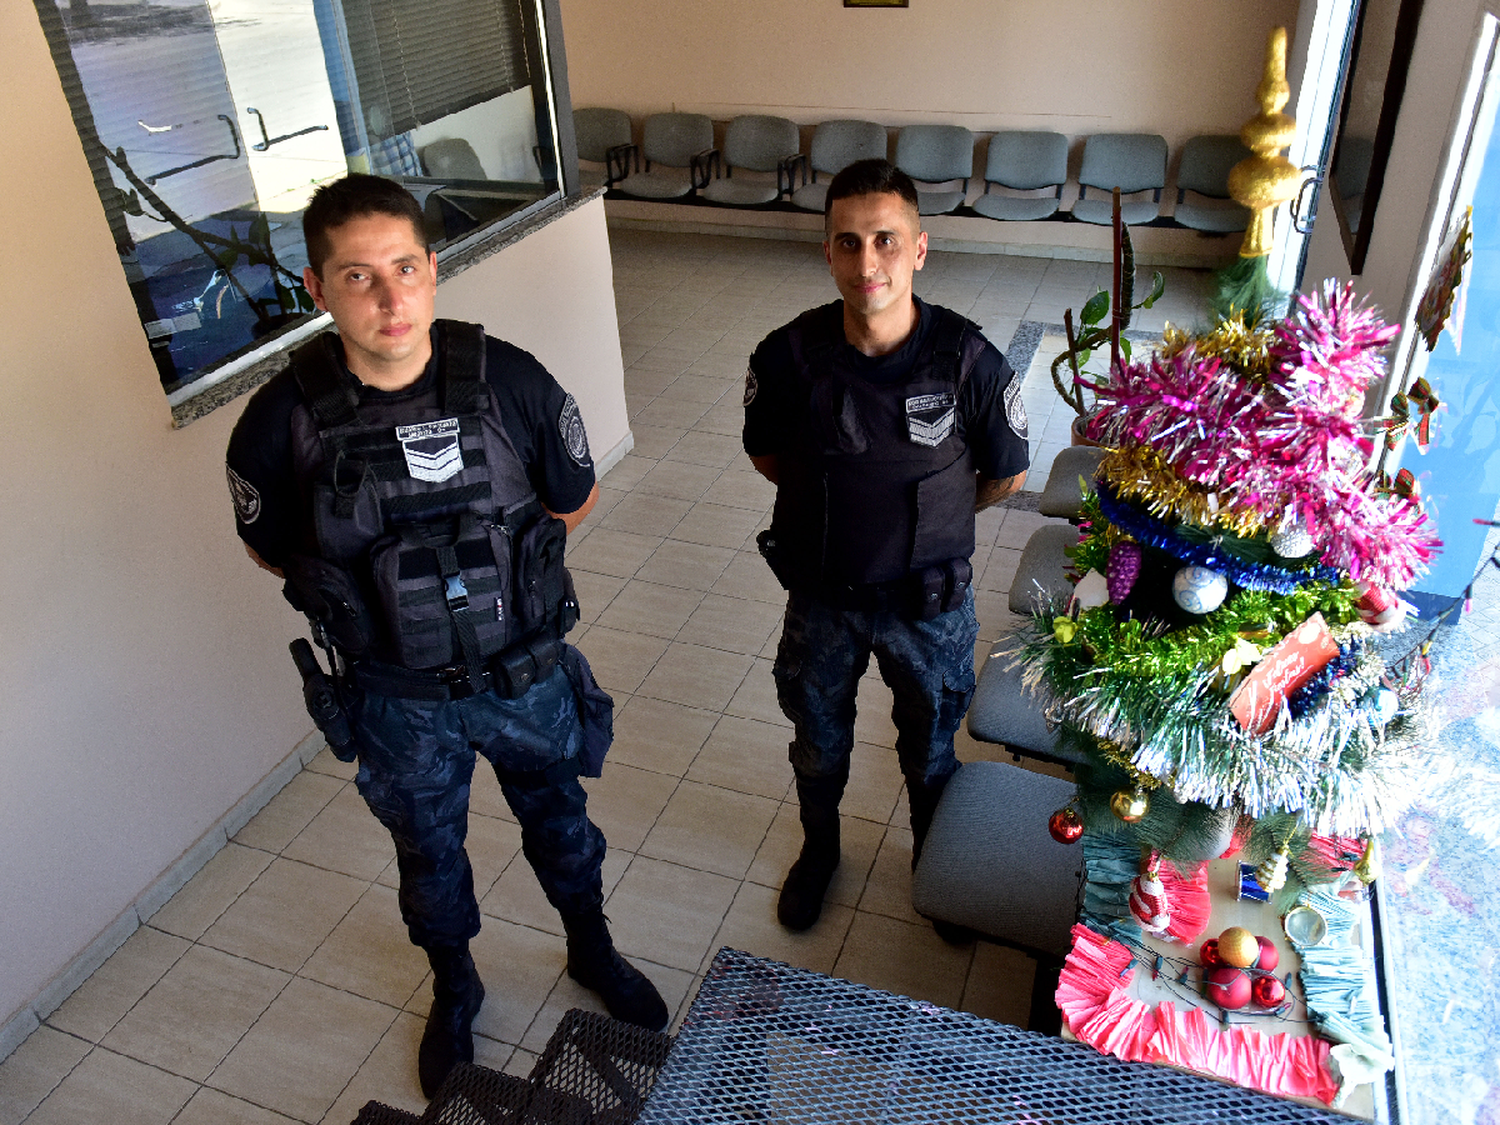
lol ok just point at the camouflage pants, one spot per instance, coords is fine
(416, 759)
(928, 665)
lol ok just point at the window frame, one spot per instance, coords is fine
(220, 382)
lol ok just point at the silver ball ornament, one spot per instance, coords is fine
(1198, 589)
(1291, 540)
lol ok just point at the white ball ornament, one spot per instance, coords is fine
(1291, 540)
(1198, 589)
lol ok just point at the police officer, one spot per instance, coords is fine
(414, 481)
(885, 423)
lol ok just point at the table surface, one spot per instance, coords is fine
(1260, 919)
(765, 1041)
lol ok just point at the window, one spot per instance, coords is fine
(208, 124)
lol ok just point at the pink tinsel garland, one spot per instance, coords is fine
(1291, 442)
(1093, 994)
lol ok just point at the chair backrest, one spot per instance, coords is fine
(934, 153)
(674, 139)
(1027, 160)
(838, 144)
(1206, 162)
(1129, 161)
(452, 158)
(758, 142)
(598, 131)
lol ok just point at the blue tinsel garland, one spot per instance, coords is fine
(1305, 697)
(1147, 529)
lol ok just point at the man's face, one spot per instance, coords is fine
(873, 247)
(380, 284)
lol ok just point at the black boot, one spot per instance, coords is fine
(801, 899)
(457, 994)
(923, 800)
(593, 962)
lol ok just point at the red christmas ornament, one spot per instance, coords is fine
(1269, 958)
(1267, 992)
(1227, 987)
(1208, 954)
(1065, 825)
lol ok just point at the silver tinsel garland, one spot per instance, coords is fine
(1335, 764)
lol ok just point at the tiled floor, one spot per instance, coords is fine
(278, 985)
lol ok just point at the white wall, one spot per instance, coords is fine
(144, 679)
(1175, 67)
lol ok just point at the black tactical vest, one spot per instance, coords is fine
(424, 503)
(880, 484)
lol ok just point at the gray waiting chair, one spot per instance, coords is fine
(452, 158)
(1132, 162)
(755, 143)
(1042, 574)
(603, 137)
(1023, 161)
(676, 149)
(835, 146)
(1062, 496)
(935, 154)
(1204, 171)
(990, 865)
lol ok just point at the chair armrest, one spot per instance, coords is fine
(617, 163)
(787, 167)
(703, 167)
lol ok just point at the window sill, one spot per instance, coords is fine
(242, 375)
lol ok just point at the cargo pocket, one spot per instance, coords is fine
(958, 691)
(596, 712)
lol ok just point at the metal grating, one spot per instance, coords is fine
(475, 1095)
(767, 1042)
(594, 1071)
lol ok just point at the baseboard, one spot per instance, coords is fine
(963, 234)
(617, 454)
(20, 1025)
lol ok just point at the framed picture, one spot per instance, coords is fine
(1373, 87)
(875, 3)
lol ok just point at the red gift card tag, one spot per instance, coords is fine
(1297, 659)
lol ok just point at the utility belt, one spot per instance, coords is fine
(509, 674)
(921, 595)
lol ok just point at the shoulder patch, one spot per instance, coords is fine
(1015, 409)
(246, 499)
(751, 385)
(575, 438)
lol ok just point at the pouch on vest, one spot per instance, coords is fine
(596, 711)
(346, 509)
(439, 581)
(328, 594)
(542, 587)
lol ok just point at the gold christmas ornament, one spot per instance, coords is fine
(1367, 870)
(1271, 875)
(1130, 805)
(1266, 180)
(1238, 947)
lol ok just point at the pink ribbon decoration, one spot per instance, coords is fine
(1093, 996)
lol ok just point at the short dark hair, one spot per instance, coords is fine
(870, 177)
(355, 196)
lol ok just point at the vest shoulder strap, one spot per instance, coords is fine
(956, 344)
(814, 337)
(316, 367)
(462, 350)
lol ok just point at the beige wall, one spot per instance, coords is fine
(1176, 67)
(146, 684)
